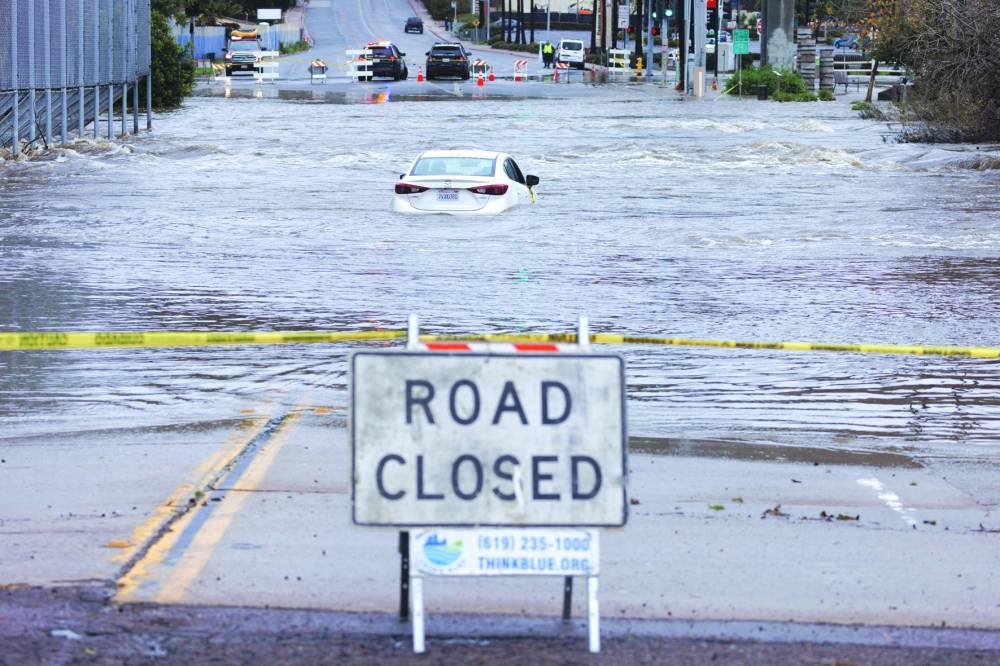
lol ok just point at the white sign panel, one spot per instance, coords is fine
(488, 439)
(268, 14)
(504, 552)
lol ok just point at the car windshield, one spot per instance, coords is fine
(453, 166)
(572, 46)
(243, 46)
(413, 21)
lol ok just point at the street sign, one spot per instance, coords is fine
(493, 439)
(741, 42)
(504, 552)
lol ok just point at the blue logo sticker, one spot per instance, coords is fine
(440, 553)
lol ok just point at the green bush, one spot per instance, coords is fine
(782, 85)
(172, 70)
(783, 96)
(297, 47)
(826, 95)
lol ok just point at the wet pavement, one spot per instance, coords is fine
(799, 492)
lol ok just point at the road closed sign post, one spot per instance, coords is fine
(506, 461)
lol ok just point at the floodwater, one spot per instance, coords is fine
(707, 219)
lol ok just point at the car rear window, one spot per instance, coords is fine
(380, 51)
(572, 46)
(448, 51)
(453, 166)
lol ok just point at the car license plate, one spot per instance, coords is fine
(447, 195)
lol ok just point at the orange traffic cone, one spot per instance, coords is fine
(492, 77)
(420, 74)
(480, 81)
(555, 75)
(715, 84)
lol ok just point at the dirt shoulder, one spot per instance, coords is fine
(79, 625)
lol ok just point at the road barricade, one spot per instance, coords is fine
(359, 66)
(266, 68)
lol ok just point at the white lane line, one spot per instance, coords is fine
(891, 500)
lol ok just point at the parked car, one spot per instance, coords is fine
(448, 59)
(570, 51)
(463, 182)
(414, 24)
(386, 60)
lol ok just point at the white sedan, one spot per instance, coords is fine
(463, 182)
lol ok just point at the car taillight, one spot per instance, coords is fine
(406, 188)
(392, 58)
(496, 190)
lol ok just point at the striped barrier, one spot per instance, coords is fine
(52, 340)
(519, 67)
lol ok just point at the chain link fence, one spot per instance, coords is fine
(66, 64)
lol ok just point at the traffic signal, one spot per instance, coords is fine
(656, 31)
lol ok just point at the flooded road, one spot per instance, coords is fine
(720, 219)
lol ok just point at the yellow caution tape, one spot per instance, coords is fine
(60, 340)
(617, 339)
(64, 340)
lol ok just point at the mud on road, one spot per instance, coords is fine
(79, 625)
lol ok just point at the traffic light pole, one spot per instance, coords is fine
(649, 38)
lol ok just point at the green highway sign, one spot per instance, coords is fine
(741, 42)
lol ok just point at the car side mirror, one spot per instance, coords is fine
(401, 176)
(401, 54)
(427, 53)
(531, 180)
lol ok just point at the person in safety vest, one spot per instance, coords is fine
(548, 52)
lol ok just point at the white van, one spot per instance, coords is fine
(570, 51)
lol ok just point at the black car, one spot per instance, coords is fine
(414, 24)
(448, 59)
(386, 60)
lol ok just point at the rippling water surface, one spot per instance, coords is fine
(711, 219)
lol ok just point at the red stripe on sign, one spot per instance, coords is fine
(535, 347)
(448, 346)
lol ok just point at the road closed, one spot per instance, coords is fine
(488, 439)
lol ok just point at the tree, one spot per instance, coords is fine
(953, 50)
(171, 69)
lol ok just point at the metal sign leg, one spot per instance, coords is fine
(418, 615)
(404, 575)
(593, 615)
(567, 598)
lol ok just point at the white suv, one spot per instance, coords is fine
(570, 51)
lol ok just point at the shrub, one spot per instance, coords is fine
(172, 70)
(784, 81)
(297, 47)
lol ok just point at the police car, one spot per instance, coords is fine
(384, 59)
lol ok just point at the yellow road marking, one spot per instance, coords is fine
(197, 555)
(202, 476)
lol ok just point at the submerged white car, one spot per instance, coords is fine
(463, 182)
